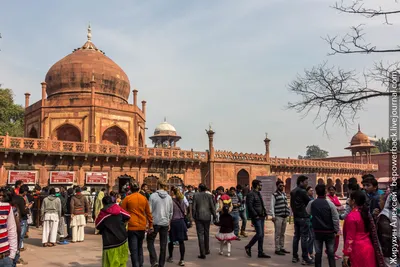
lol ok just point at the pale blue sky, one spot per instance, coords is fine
(226, 62)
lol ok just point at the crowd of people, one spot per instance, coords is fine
(369, 227)
(125, 220)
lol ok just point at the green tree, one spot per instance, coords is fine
(383, 145)
(11, 114)
(314, 152)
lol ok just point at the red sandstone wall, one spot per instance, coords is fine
(226, 174)
(193, 176)
(382, 159)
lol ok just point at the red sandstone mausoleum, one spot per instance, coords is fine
(85, 130)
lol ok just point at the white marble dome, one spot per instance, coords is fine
(164, 127)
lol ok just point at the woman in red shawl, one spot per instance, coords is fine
(335, 200)
(361, 244)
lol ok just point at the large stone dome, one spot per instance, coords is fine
(70, 77)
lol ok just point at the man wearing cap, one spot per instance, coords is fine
(162, 210)
(138, 208)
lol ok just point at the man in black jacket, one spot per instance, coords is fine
(23, 208)
(67, 215)
(325, 224)
(257, 214)
(203, 209)
(298, 203)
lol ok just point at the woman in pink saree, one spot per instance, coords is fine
(361, 245)
(335, 200)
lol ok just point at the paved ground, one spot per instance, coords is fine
(88, 253)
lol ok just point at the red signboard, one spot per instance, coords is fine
(28, 177)
(62, 177)
(96, 177)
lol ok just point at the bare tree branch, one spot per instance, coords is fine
(336, 94)
(357, 7)
(354, 43)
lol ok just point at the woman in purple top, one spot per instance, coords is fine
(178, 229)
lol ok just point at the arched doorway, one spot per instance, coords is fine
(288, 184)
(321, 181)
(67, 132)
(115, 135)
(33, 133)
(140, 143)
(329, 182)
(152, 182)
(345, 187)
(124, 181)
(243, 177)
(338, 186)
(175, 181)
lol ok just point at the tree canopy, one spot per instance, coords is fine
(11, 114)
(314, 152)
(384, 145)
(336, 94)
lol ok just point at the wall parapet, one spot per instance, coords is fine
(222, 155)
(287, 162)
(45, 146)
(234, 156)
(33, 145)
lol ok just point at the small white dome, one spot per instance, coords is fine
(165, 126)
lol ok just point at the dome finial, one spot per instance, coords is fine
(89, 33)
(165, 119)
(359, 128)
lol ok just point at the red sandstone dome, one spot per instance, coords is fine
(359, 138)
(70, 77)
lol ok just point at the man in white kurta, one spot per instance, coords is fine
(50, 214)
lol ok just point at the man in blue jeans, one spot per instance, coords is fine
(161, 207)
(23, 208)
(242, 209)
(325, 223)
(258, 214)
(298, 203)
(235, 210)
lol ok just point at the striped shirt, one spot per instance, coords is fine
(8, 230)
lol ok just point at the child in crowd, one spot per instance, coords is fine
(370, 185)
(225, 234)
(111, 225)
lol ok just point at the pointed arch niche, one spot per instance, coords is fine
(114, 135)
(175, 181)
(33, 133)
(140, 140)
(67, 132)
(243, 177)
(152, 182)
